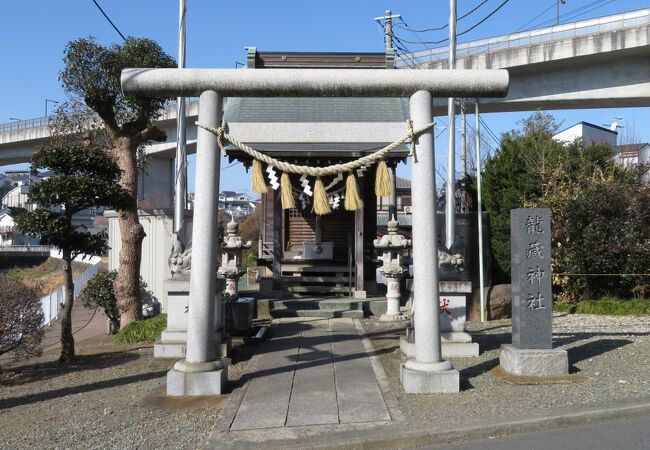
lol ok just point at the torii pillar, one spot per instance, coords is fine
(204, 370)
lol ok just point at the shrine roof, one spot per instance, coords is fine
(309, 109)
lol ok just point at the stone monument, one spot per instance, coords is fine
(531, 351)
(392, 269)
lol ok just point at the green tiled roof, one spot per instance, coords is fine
(321, 109)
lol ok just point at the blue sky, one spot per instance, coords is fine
(34, 34)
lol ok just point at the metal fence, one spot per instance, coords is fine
(51, 302)
(25, 124)
(16, 125)
(531, 37)
(25, 248)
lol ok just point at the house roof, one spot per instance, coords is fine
(318, 111)
(630, 150)
(590, 125)
(356, 60)
(8, 211)
(403, 183)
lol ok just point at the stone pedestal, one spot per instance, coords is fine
(173, 340)
(429, 381)
(456, 342)
(533, 362)
(393, 298)
(207, 378)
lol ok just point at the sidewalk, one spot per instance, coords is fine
(312, 372)
(86, 323)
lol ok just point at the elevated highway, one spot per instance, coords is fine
(597, 63)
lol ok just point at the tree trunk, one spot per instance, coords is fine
(127, 282)
(67, 340)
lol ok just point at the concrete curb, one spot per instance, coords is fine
(397, 437)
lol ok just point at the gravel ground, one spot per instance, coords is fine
(610, 352)
(113, 397)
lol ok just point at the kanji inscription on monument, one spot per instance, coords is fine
(530, 234)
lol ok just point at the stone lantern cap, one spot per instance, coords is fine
(232, 240)
(393, 239)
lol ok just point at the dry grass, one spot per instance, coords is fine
(45, 277)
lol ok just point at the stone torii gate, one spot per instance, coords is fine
(204, 370)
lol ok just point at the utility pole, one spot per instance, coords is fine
(450, 203)
(477, 145)
(180, 187)
(558, 10)
(388, 27)
(388, 44)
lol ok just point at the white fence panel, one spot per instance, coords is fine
(51, 302)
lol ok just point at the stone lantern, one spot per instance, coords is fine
(392, 245)
(231, 261)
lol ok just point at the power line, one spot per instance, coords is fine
(407, 28)
(108, 18)
(580, 11)
(536, 17)
(486, 18)
(490, 132)
(571, 15)
(462, 33)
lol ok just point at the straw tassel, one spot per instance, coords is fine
(352, 200)
(321, 204)
(258, 184)
(286, 192)
(383, 185)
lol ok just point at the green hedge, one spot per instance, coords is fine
(146, 330)
(614, 306)
(607, 306)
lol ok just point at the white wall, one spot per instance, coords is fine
(590, 135)
(156, 247)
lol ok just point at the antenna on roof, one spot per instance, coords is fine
(615, 122)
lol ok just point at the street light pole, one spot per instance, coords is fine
(180, 188)
(450, 203)
(47, 100)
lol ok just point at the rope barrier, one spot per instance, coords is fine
(333, 169)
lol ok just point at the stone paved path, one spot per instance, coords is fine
(312, 372)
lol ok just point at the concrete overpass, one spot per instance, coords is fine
(596, 63)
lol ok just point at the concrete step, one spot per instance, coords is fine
(326, 313)
(327, 304)
(315, 279)
(301, 268)
(318, 289)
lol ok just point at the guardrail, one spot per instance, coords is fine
(26, 249)
(25, 124)
(528, 38)
(37, 122)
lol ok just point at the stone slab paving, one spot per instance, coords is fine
(312, 372)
